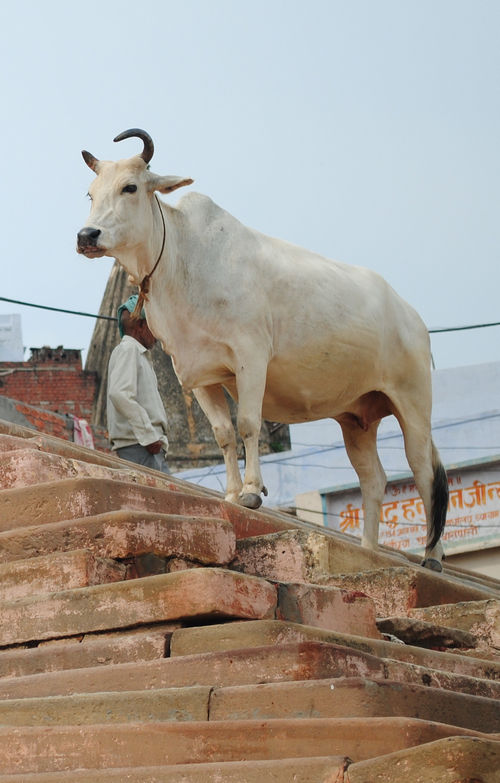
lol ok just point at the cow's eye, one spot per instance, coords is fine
(129, 189)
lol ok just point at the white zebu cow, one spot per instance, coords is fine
(292, 336)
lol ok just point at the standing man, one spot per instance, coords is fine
(137, 422)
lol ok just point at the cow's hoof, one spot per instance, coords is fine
(250, 500)
(432, 564)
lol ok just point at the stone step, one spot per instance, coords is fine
(195, 594)
(14, 437)
(57, 501)
(285, 662)
(403, 672)
(349, 697)
(306, 556)
(322, 769)
(88, 650)
(58, 571)
(126, 534)
(450, 760)
(420, 633)
(398, 590)
(329, 698)
(159, 705)
(327, 607)
(12, 442)
(201, 540)
(52, 749)
(27, 466)
(246, 666)
(260, 633)
(481, 618)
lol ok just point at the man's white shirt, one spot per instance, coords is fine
(134, 407)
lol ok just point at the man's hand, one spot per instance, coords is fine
(155, 448)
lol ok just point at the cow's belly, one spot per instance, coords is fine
(318, 382)
(291, 404)
(306, 391)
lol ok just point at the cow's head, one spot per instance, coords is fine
(121, 218)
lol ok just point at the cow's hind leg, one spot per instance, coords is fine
(431, 480)
(214, 405)
(361, 447)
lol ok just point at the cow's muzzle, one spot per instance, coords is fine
(87, 241)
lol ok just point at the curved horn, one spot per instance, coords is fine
(149, 147)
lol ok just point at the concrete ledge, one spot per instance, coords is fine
(305, 556)
(11, 442)
(303, 661)
(420, 633)
(327, 607)
(125, 534)
(324, 769)
(397, 590)
(58, 571)
(27, 466)
(246, 523)
(13, 437)
(447, 760)
(199, 593)
(67, 499)
(481, 618)
(352, 697)
(87, 650)
(172, 704)
(231, 636)
(32, 749)
(329, 698)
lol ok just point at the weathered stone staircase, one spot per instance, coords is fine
(151, 632)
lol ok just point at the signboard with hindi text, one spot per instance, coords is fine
(473, 520)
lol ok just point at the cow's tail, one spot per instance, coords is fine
(439, 505)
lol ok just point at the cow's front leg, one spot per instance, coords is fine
(214, 405)
(250, 382)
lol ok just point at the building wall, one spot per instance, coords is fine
(485, 561)
(39, 419)
(48, 390)
(472, 529)
(52, 378)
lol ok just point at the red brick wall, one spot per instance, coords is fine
(51, 379)
(46, 421)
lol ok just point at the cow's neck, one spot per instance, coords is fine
(146, 258)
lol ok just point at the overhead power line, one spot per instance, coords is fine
(112, 318)
(57, 309)
(462, 328)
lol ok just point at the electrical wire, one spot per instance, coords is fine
(112, 318)
(57, 309)
(462, 328)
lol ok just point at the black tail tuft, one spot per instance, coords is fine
(439, 504)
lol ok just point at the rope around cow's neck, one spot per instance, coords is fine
(144, 286)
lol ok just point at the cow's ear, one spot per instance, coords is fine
(91, 162)
(169, 183)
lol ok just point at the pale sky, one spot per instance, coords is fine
(367, 130)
